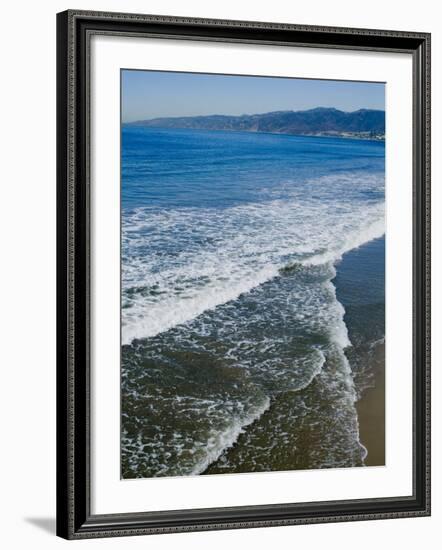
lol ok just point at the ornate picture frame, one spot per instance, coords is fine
(75, 517)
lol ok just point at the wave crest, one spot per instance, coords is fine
(179, 263)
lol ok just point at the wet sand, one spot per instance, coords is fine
(371, 413)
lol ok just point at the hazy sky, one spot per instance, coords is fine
(151, 94)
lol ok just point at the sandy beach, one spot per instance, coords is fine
(371, 413)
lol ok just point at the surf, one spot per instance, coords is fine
(197, 259)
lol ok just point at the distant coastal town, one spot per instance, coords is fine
(375, 136)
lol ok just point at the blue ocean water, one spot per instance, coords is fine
(230, 243)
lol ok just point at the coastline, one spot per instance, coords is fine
(371, 413)
(360, 289)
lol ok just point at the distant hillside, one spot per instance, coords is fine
(323, 121)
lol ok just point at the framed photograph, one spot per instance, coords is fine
(243, 274)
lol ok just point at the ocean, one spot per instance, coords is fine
(252, 295)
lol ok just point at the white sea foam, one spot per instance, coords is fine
(219, 442)
(146, 320)
(179, 263)
(361, 236)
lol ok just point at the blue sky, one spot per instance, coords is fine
(151, 94)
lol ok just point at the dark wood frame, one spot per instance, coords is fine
(74, 519)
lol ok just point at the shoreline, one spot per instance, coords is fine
(371, 413)
(357, 291)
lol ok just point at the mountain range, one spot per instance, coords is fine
(322, 121)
